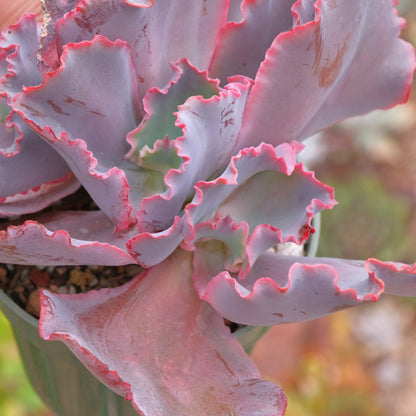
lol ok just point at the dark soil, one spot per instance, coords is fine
(22, 283)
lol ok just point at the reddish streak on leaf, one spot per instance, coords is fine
(325, 69)
(205, 9)
(280, 315)
(71, 100)
(144, 30)
(34, 112)
(254, 382)
(225, 364)
(56, 108)
(97, 113)
(226, 112)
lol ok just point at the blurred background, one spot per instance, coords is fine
(359, 362)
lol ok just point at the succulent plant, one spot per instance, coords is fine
(183, 120)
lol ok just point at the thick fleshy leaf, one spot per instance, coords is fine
(165, 32)
(161, 106)
(232, 236)
(234, 11)
(7, 132)
(84, 110)
(265, 237)
(155, 342)
(263, 185)
(20, 42)
(303, 12)
(284, 289)
(150, 249)
(153, 142)
(36, 198)
(3, 63)
(287, 202)
(399, 279)
(329, 69)
(210, 131)
(22, 151)
(73, 237)
(242, 45)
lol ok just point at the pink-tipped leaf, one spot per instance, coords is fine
(67, 237)
(284, 289)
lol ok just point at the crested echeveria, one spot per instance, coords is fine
(182, 119)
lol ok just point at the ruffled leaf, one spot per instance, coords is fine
(156, 163)
(287, 202)
(179, 360)
(84, 110)
(233, 238)
(153, 142)
(234, 11)
(263, 186)
(73, 237)
(210, 131)
(284, 289)
(328, 69)
(150, 249)
(165, 32)
(22, 151)
(7, 132)
(161, 105)
(242, 45)
(399, 279)
(20, 42)
(36, 198)
(304, 11)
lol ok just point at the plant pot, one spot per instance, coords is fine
(64, 384)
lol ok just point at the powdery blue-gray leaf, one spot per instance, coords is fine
(22, 152)
(19, 43)
(242, 45)
(84, 110)
(163, 33)
(399, 279)
(210, 130)
(328, 69)
(262, 186)
(284, 289)
(150, 248)
(74, 237)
